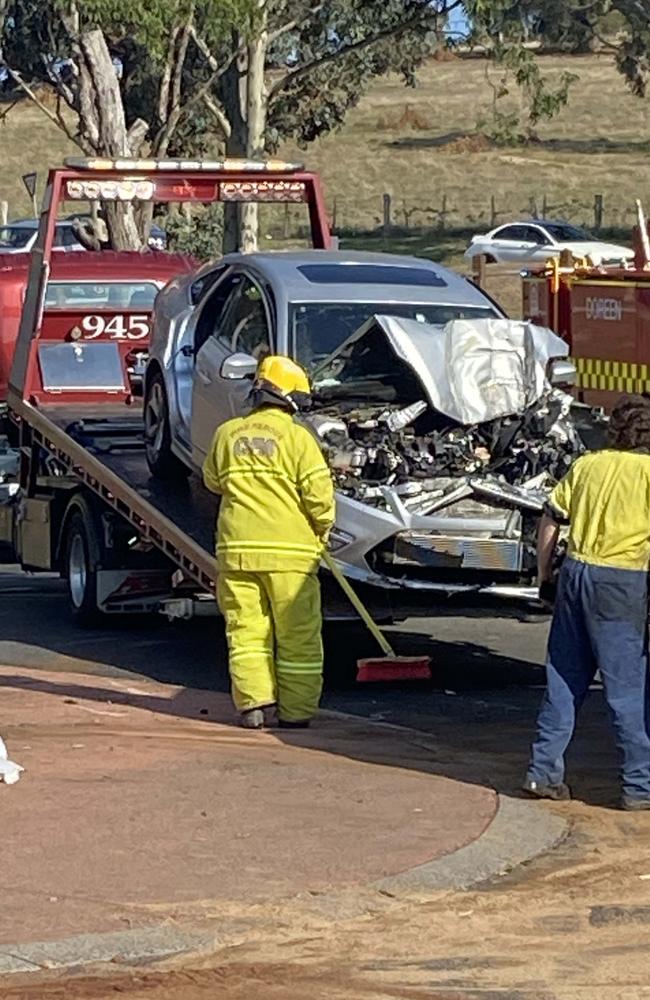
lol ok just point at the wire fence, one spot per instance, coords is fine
(444, 212)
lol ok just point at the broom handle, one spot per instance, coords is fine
(359, 606)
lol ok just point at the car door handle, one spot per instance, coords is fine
(203, 376)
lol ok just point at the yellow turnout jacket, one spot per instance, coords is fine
(277, 495)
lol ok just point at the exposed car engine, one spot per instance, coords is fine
(378, 448)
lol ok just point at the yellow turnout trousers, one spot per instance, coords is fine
(273, 627)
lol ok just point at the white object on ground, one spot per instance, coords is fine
(9, 771)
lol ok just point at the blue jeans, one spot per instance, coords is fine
(600, 623)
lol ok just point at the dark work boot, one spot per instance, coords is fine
(294, 724)
(631, 804)
(543, 790)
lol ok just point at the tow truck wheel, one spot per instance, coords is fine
(81, 559)
(157, 436)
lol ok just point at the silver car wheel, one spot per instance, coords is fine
(77, 571)
(154, 420)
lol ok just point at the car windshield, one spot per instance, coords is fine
(110, 295)
(15, 237)
(318, 328)
(564, 233)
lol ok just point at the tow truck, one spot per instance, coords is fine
(83, 504)
(102, 296)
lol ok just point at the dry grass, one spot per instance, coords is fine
(420, 146)
(598, 145)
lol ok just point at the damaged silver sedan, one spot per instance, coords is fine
(444, 444)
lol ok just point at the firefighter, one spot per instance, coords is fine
(276, 512)
(601, 609)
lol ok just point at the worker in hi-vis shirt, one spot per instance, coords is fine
(600, 620)
(276, 512)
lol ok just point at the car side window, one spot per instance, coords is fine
(213, 308)
(59, 236)
(202, 285)
(535, 235)
(245, 325)
(508, 233)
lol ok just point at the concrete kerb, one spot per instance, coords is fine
(519, 832)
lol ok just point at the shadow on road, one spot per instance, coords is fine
(473, 721)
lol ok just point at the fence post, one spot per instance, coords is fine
(335, 214)
(478, 268)
(544, 207)
(493, 212)
(443, 213)
(285, 222)
(4, 212)
(387, 203)
(598, 212)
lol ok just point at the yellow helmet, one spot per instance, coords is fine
(281, 380)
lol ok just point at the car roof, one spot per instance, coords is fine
(103, 265)
(283, 268)
(538, 222)
(32, 223)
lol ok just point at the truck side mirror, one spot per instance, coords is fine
(238, 366)
(562, 372)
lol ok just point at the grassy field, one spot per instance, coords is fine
(420, 147)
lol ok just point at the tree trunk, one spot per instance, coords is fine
(245, 101)
(103, 124)
(256, 109)
(234, 102)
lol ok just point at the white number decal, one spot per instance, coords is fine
(118, 327)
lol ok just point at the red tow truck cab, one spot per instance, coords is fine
(604, 315)
(94, 296)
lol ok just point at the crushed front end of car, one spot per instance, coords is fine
(444, 445)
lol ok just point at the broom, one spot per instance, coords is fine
(390, 667)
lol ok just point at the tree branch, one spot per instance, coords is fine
(58, 119)
(218, 114)
(166, 79)
(422, 15)
(292, 25)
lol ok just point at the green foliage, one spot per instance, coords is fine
(200, 235)
(503, 128)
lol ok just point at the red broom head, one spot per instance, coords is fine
(397, 668)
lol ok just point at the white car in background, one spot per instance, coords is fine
(541, 239)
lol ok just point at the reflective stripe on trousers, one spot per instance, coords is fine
(599, 623)
(273, 628)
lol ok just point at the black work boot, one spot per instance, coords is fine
(544, 790)
(631, 804)
(294, 723)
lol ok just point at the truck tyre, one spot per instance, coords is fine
(82, 554)
(162, 462)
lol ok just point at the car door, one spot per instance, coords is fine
(243, 327)
(537, 243)
(509, 243)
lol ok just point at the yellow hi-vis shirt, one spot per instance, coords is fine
(277, 494)
(605, 497)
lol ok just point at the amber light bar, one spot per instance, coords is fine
(246, 166)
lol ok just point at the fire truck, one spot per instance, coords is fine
(84, 505)
(604, 315)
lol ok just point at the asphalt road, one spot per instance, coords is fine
(499, 656)
(487, 670)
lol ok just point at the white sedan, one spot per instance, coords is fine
(541, 240)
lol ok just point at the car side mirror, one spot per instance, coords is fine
(238, 366)
(562, 372)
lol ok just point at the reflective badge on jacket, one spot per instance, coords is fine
(266, 447)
